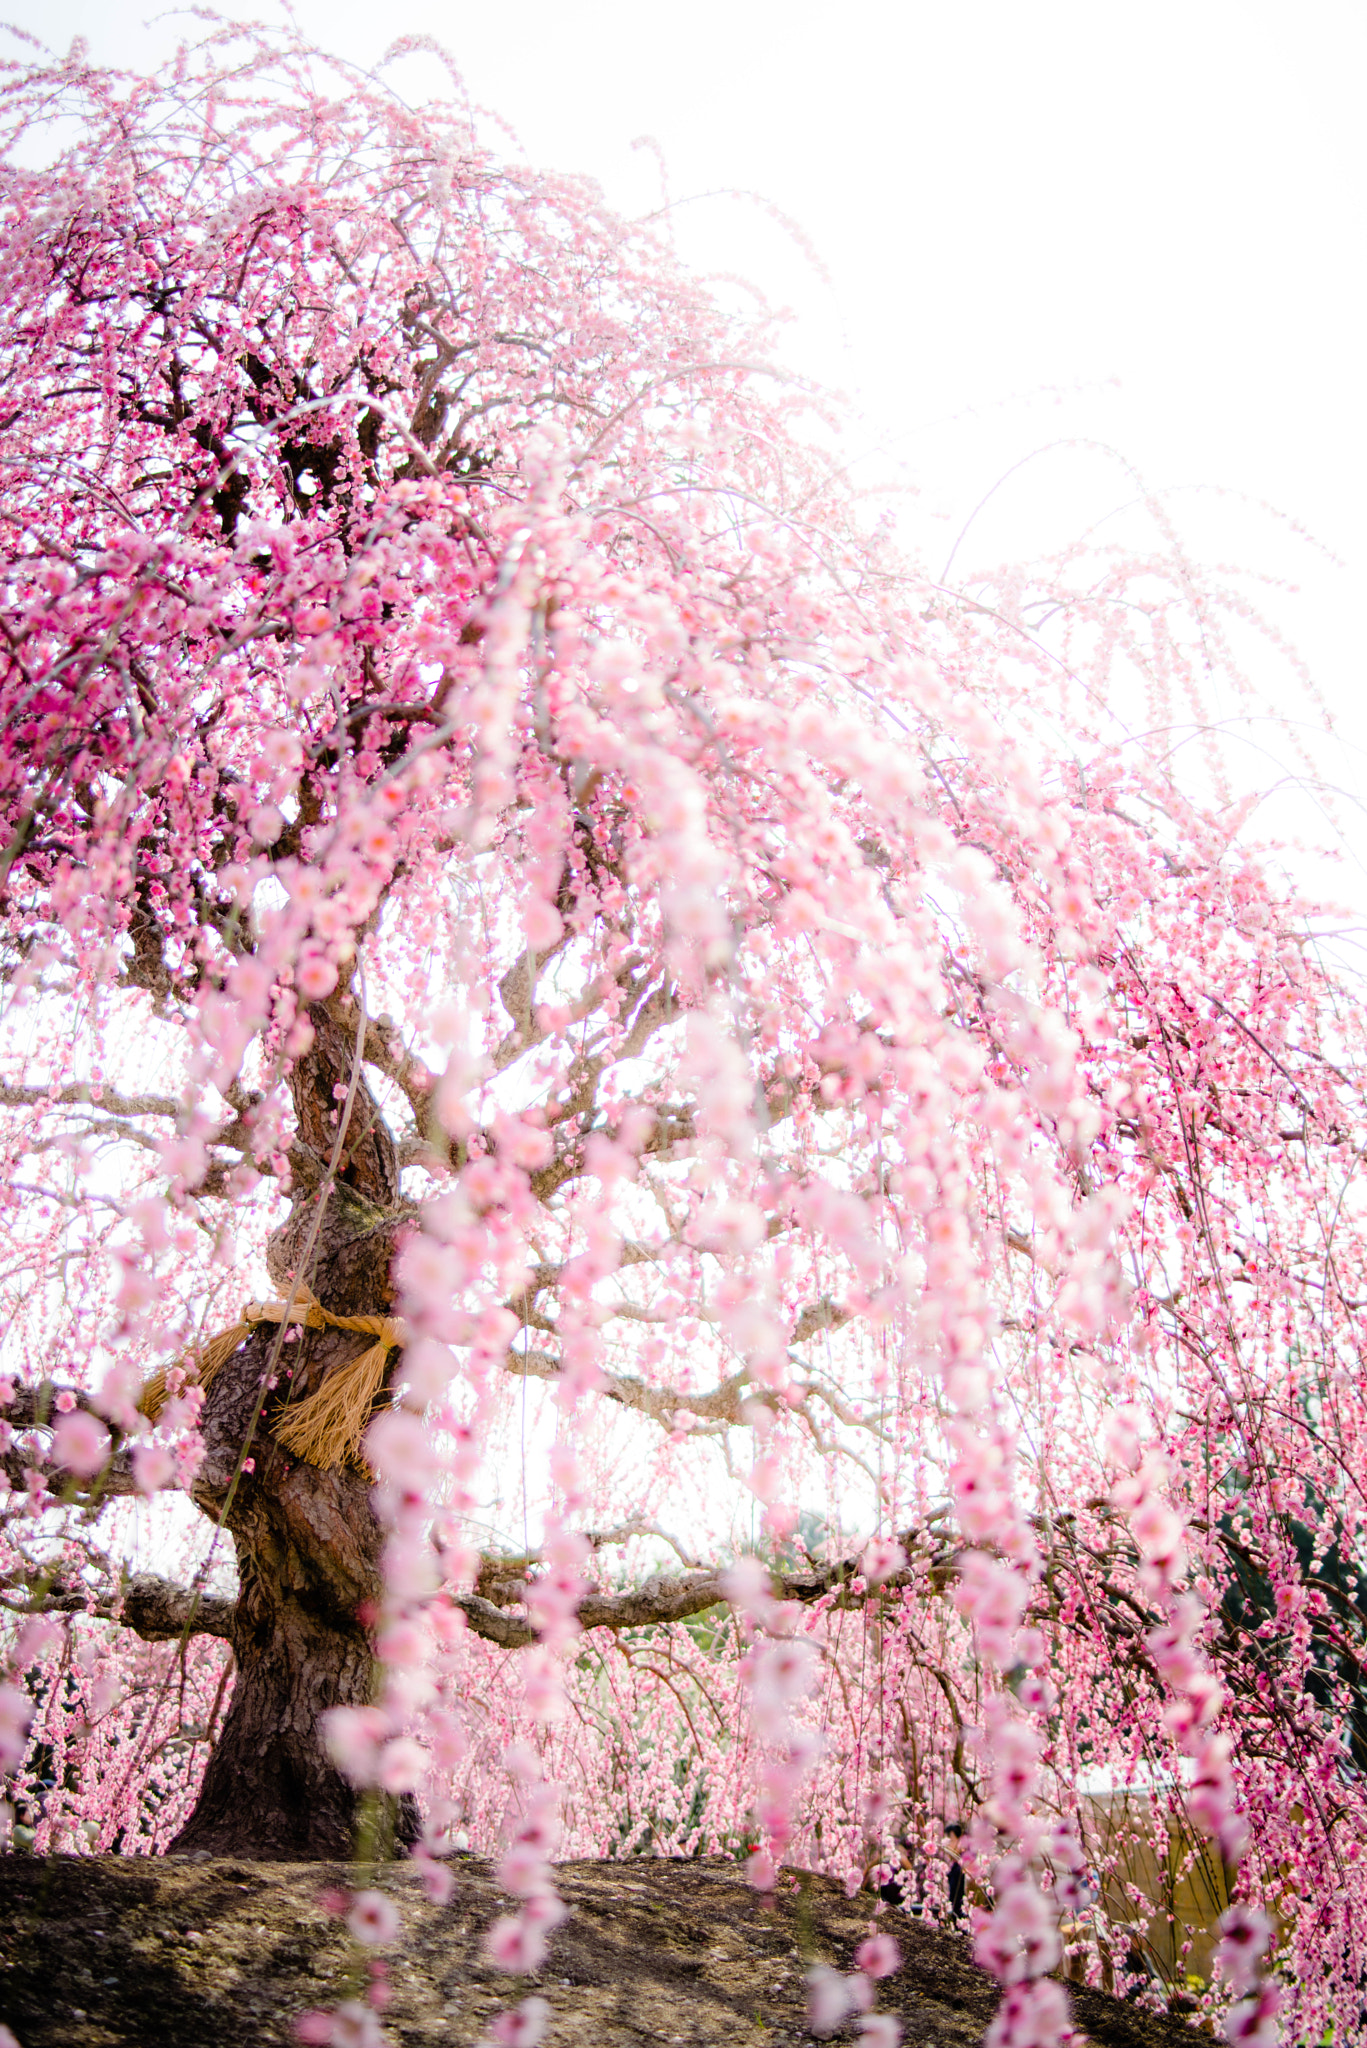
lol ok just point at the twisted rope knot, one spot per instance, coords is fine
(307, 1309)
(325, 1429)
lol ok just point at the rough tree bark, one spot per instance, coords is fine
(307, 1541)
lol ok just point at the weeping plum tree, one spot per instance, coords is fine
(571, 1014)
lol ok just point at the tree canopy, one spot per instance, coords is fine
(779, 1186)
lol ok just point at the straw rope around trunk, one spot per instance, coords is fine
(325, 1429)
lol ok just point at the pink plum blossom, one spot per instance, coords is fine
(154, 1466)
(524, 2026)
(1031, 2015)
(514, 1944)
(373, 1918)
(830, 1999)
(80, 1442)
(801, 1061)
(1253, 2023)
(883, 1557)
(878, 1956)
(1245, 1937)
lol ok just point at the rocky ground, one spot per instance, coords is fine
(132, 1953)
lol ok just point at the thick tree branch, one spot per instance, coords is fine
(152, 1607)
(661, 1600)
(159, 1611)
(385, 1051)
(34, 1404)
(81, 1093)
(720, 1404)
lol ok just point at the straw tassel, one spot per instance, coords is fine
(327, 1428)
(200, 1368)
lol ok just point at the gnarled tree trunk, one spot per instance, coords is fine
(307, 1540)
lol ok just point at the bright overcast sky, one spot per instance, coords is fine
(1138, 224)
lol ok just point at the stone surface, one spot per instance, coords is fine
(137, 1953)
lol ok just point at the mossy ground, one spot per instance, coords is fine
(176, 1953)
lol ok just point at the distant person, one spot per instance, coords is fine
(904, 1886)
(955, 1879)
(897, 1888)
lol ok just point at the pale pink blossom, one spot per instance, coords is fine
(524, 2026)
(883, 1558)
(1253, 2023)
(437, 1880)
(355, 2025)
(154, 1466)
(1019, 1937)
(400, 1450)
(541, 923)
(830, 2000)
(16, 1716)
(353, 1736)
(515, 1944)
(522, 1869)
(994, 1597)
(785, 1671)
(316, 976)
(373, 1918)
(1245, 1937)
(400, 1765)
(402, 1641)
(80, 1442)
(448, 1739)
(544, 1909)
(747, 1585)
(1033, 2015)
(878, 1956)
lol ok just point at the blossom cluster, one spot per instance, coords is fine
(822, 1129)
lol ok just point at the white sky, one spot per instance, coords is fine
(1138, 224)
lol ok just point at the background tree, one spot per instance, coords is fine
(690, 1015)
